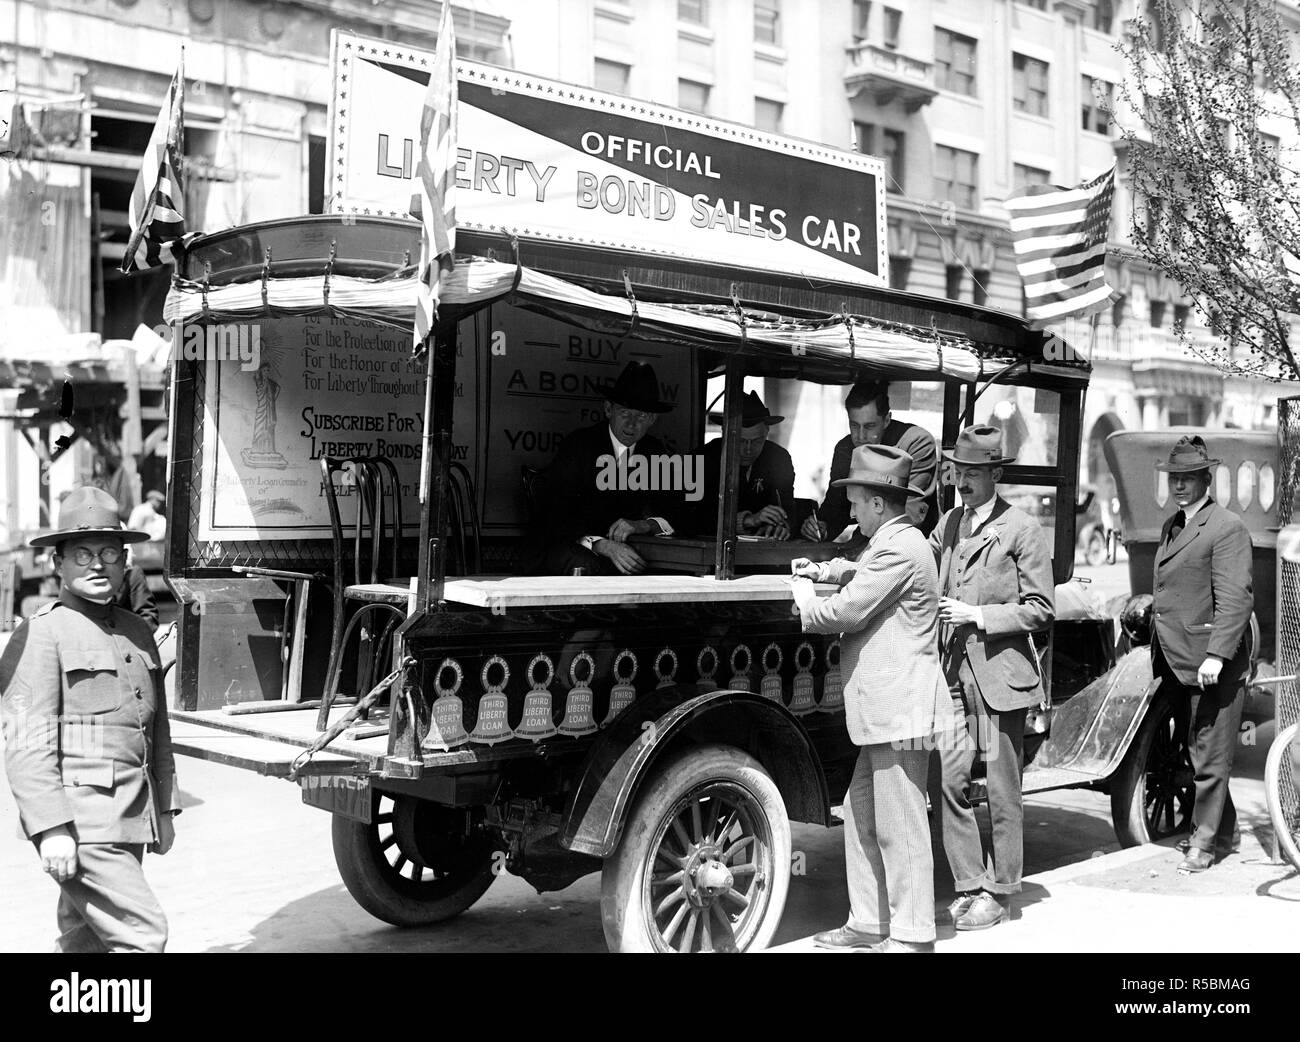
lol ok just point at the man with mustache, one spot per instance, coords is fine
(766, 478)
(1200, 644)
(995, 575)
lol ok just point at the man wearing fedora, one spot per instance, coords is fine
(586, 526)
(871, 423)
(1200, 648)
(87, 745)
(995, 574)
(766, 500)
(895, 702)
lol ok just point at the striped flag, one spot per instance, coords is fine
(436, 173)
(1060, 240)
(157, 213)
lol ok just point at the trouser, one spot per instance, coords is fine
(108, 905)
(887, 845)
(563, 558)
(998, 738)
(1211, 720)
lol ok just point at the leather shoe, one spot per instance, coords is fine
(984, 911)
(960, 904)
(892, 944)
(1233, 846)
(1197, 860)
(845, 938)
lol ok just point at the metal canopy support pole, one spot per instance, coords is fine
(952, 423)
(724, 561)
(1069, 438)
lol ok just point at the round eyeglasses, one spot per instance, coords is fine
(108, 555)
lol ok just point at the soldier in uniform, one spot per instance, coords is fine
(87, 745)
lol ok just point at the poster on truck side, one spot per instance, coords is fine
(559, 162)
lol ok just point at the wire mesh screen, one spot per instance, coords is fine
(1288, 584)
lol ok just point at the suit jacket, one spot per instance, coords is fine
(1203, 594)
(768, 481)
(887, 610)
(1006, 569)
(135, 596)
(914, 440)
(571, 505)
(87, 742)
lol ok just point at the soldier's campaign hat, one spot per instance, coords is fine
(979, 446)
(755, 412)
(638, 388)
(880, 466)
(89, 511)
(1188, 455)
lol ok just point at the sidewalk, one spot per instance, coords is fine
(1134, 900)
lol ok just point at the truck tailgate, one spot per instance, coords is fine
(268, 744)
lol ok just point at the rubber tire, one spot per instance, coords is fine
(1128, 784)
(1095, 549)
(370, 880)
(621, 880)
(1278, 755)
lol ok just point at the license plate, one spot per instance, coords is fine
(339, 794)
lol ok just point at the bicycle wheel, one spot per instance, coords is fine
(1280, 787)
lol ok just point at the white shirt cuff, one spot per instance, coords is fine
(664, 527)
(979, 617)
(588, 542)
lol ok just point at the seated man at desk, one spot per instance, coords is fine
(766, 478)
(584, 522)
(870, 423)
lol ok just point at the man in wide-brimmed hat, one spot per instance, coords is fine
(585, 522)
(87, 745)
(995, 574)
(895, 702)
(1200, 643)
(766, 496)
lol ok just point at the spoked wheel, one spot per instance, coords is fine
(416, 863)
(1282, 788)
(1095, 550)
(704, 863)
(1154, 789)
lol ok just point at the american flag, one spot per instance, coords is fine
(157, 212)
(437, 176)
(1060, 242)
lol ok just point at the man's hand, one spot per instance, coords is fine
(958, 613)
(769, 515)
(779, 532)
(166, 833)
(804, 592)
(802, 566)
(622, 528)
(1208, 674)
(813, 529)
(58, 853)
(624, 558)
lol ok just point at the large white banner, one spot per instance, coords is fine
(548, 160)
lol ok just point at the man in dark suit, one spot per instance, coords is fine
(1200, 648)
(995, 575)
(87, 744)
(766, 500)
(586, 503)
(870, 423)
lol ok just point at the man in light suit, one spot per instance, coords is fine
(1200, 648)
(995, 572)
(895, 702)
(87, 744)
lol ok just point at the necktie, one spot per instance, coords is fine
(1180, 522)
(967, 527)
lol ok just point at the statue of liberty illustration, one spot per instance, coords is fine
(262, 452)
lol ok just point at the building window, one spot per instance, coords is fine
(954, 275)
(954, 62)
(1028, 85)
(1037, 5)
(1117, 311)
(900, 269)
(864, 138)
(893, 26)
(956, 176)
(980, 286)
(1024, 176)
(692, 96)
(1103, 15)
(767, 21)
(612, 76)
(861, 19)
(1182, 312)
(1271, 147)
(694, 11)
(1097, 96)
(315, 174)
(767, 115)
(1157, 314)
(886, 143)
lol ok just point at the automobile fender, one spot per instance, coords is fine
(624, 755)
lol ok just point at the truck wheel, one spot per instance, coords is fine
(1094, 551)
(417, 863)
(1152, 793)
(704, 862)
